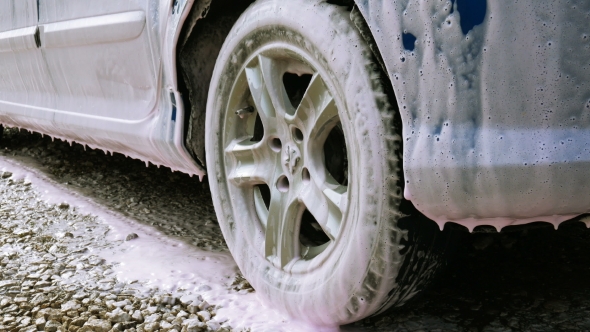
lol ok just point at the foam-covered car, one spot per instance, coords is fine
(337, 137)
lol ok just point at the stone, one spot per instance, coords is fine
(150, 310)
(79, 295)
(98, 325)
(11, 308)
(194, 325)
(153, 318)
(8, 283)
(118, 316)
(95, 309)
(204, 305)
(213, 326)
(40, 323)
(137, 316)
(121, 304)
(52, 326)
(151, 327)
(168, 299)
(131, 236)
(165, 325)
(39, 299)
(20, 299)
(20, 232)
(204, 315)
(78, 321)
(25, 321)
(5, 301)
(190, 298)
(127, 325)
(193, 308)
(65, 320)
(50, 313)
(117, 327)
(70, 305)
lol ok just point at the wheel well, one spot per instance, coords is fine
(200, 41)
(201, 38)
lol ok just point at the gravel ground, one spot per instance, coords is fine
(530, 279)
(49, 280)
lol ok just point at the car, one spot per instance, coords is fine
(339, 137)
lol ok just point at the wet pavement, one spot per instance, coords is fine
(528, 279)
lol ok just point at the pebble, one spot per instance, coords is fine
(52, 325)
(204, 316)
(131, 236)
(98, 325)
(119, 316)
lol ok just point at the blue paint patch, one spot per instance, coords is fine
(472, 12)
(409, 41)
(173, 99)
(437, 129)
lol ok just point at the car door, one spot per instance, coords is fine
(24, 79)
(100, 58)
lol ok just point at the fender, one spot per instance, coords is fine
(494, 99)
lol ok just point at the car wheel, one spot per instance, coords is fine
(303, 152)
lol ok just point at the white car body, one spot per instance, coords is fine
(100, 73)
(495, 103)
(495, 121)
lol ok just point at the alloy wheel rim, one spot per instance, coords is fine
(284, 148)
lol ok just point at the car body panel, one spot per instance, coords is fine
(17, 14)
(494, 97)
(102, 74)
(495, 103)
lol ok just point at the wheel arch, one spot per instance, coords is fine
(201, 37)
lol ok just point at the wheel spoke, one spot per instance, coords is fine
(260, 94)
(337, 196)
(268, 90)
(326, 205)
(252, 162)
(280, 228)
(317, 106)
(260, 207)
(272, 73)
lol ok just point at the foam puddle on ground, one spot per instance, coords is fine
(160, 261)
